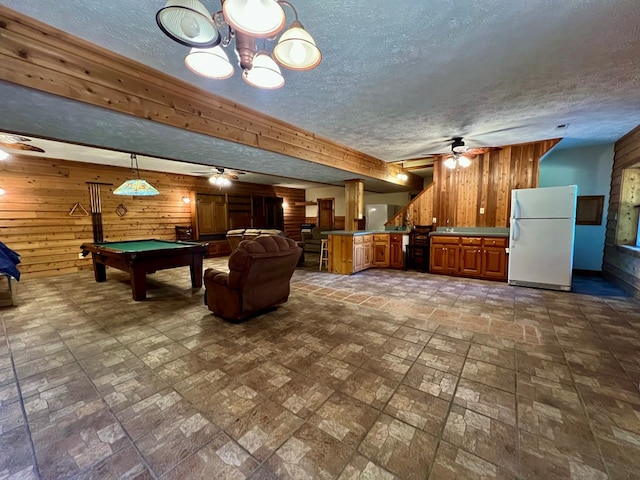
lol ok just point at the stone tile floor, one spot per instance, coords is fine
(380, 375)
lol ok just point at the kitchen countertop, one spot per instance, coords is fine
(471, 232)
(364, 232)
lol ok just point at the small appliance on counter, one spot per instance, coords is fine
(542, 231)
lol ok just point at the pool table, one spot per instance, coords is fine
(139, 257)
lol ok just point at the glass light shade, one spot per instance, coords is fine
(296, 50)
(402, 176)
(220, 181)
(265, 73)
(136, 188)
(450, 163)
(3, 155)
(259, 18)
(2, 192)
(463, 161)
(188, 22)
(209, 62)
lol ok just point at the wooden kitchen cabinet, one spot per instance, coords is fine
(396, 257)
(380, 250)
(471, 256)
(479, 257)
(358, 254)
(494, 258)
(368, 251)
(445, 253)
(352, 253)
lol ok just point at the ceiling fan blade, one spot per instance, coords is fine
(22, 146)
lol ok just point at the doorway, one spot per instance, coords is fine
(325, 214)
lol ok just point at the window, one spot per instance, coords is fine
(628, 227)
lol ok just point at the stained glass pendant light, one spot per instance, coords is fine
(136, 187)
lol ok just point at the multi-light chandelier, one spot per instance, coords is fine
(248, 21)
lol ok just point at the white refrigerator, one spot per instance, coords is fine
(378, 215)
(542, 230)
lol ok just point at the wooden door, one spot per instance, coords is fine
(380, 254)
(368, 251)
(326, 218)
(211, 214)
(274, 212)
(395, 254)
(358, 257)
(470, 260)
(494, 263)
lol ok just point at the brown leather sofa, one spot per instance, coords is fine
(259, 277)
(234, 237)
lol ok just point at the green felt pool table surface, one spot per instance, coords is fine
(140, 257)
(134, 246)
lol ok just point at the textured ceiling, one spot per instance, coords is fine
(397, 80)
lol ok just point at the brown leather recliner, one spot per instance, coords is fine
(259, 277)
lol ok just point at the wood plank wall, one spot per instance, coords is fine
(338, 222)
(622, 265)
(486, 183)
(38, 56)
(457, 195)
(418, 212)
(40, 193)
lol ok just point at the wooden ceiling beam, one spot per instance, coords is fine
(38, 56)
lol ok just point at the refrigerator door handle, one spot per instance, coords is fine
(515, 231)
(516, 206)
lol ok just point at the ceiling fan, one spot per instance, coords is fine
(461, 154)
(220, 176)
(16, 142)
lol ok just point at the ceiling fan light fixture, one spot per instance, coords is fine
(188, 22)
(220, 181)
(463, 161)
(265, 73)
(450, 163)
(458, 145)
(296, 49)
(258, 18)
(209, 62)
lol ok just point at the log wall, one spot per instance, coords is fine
(35, 218)
(622, 264)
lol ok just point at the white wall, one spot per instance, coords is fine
(312, 194)
(590, 169)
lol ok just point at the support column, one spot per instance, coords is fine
(353, 203)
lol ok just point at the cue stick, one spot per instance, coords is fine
(96, 210)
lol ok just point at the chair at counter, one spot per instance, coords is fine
(418, 248)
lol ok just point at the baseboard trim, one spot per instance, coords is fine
(587, 273)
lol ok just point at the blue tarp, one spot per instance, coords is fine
(8, 261)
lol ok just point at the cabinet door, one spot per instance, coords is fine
(494, 263)
(380, 254)
(470, 260)
(368, 254)
(358, 257)
(444, 258)
(211, 211)
(438, 259)
(395, 259)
